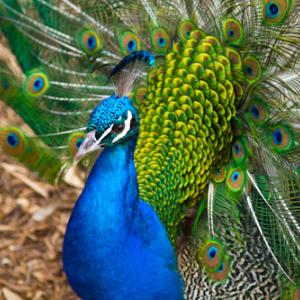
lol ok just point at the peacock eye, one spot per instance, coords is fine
(118, 128)
(97, 135)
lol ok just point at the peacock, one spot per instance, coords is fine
(196, 104)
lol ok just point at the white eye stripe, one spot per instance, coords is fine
(105, 133)
(126, 127)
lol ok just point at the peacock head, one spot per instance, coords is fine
(113, 121)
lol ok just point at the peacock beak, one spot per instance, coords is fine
(91, 144)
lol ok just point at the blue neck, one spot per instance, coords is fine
(114, 171)
(115, 246)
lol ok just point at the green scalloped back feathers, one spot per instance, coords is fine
(191, 105)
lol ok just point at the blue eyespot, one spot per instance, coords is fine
(272, 10)
(131, 46)
(12, 139)
(249, 70)
(230, 33)
(235, 175)
(38, 84)
(188, 33)
(277, 137)
(255, 111)
(162, 42)
(91, 42)
(236, 148)
(221, 268)
(212, 252)
(79, 142)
